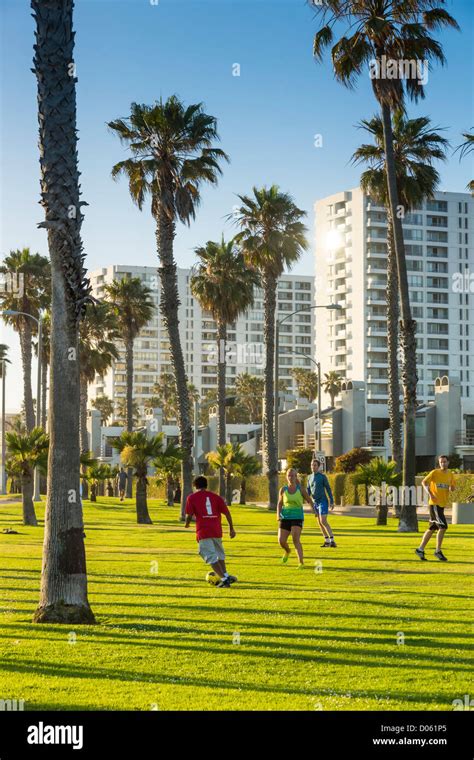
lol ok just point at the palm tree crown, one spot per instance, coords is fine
(132, 305)
(416, 145)
(173, 153)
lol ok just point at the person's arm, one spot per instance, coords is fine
(228, 517)
(425, 484)
(306, 496)
(452, 487)
(329, 492)
(280, 504)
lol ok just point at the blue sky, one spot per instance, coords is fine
(268, 116)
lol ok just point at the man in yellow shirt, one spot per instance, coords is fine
(437, 484)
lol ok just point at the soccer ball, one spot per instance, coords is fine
(212, 578)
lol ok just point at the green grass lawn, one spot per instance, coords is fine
(309, 640)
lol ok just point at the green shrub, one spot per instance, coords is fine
(300, 459)
(349, 461)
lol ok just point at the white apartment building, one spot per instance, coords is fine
(245, 349)
(351, 255)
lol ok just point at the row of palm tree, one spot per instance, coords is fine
(371, 32)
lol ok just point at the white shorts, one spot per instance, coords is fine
(211, 550)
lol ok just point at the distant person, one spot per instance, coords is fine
(207, 507)
(290, 514)
(437, 484)
(320, 491)
(122, 478)
(177, 495)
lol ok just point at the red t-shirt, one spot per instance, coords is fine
(207, 507)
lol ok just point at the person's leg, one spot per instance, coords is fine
(439, 538)
(218, 569)
(326, 527)
(283, 540)
(426, 537)
(296, 536)
(321, 525)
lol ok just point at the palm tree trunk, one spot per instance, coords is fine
(83, 432)
(243, 491)
(221, 366)
(129, 406)
(44, 393)
(29, 514)
(392, 350)
(63, 597)
(271, 455)
(382, 512)
(408, 518)
(228, 489)
(169, 491)
(26, 353)
(143, 517)
(93, 491)
(169, 304)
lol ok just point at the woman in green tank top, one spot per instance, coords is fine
(291, 515)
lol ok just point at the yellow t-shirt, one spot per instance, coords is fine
(439, 482)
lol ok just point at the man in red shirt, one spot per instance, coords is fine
(207, 507)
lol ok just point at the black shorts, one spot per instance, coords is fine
(289, 524)
(437, 518)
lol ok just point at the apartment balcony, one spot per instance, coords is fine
(372, 439)
(376, 330)
(378, 300)
(464, 438)
(376, 269)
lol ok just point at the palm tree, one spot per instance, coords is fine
(246, 467)
(332, 384)
(228, 457)
(306, 382)
(379, 474)
(376, 32)
(105, 406)
(133, 307)
(167, 399)
(168, 467)
(63, 596)
(98, 333)
(250, 390)
(415, 146)
(45, 359)
(32, 273)
(120, 414)
(27, 451)
(466, 147)
(173, 154)
(273, 238)
(138, 451)
(224, 285)
(96, 474)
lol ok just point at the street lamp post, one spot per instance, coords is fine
(331, 306)
(13, 313)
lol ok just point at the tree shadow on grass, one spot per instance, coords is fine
(32, 667)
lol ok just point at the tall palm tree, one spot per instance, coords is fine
(272, 238)
(415, 146)
(250, 390)
(173, 154)
(168, 467)
(64, 578)
(98, 333)
(32, 275)
(465, 148)
(133, 307)
(375, 32)
(224, 285)
(105, 406)
(332, 384)
(27, 451)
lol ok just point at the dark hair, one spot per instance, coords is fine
(443, 456)
(316, 461)
(200, 482)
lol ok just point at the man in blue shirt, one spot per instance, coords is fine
(320, 491)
